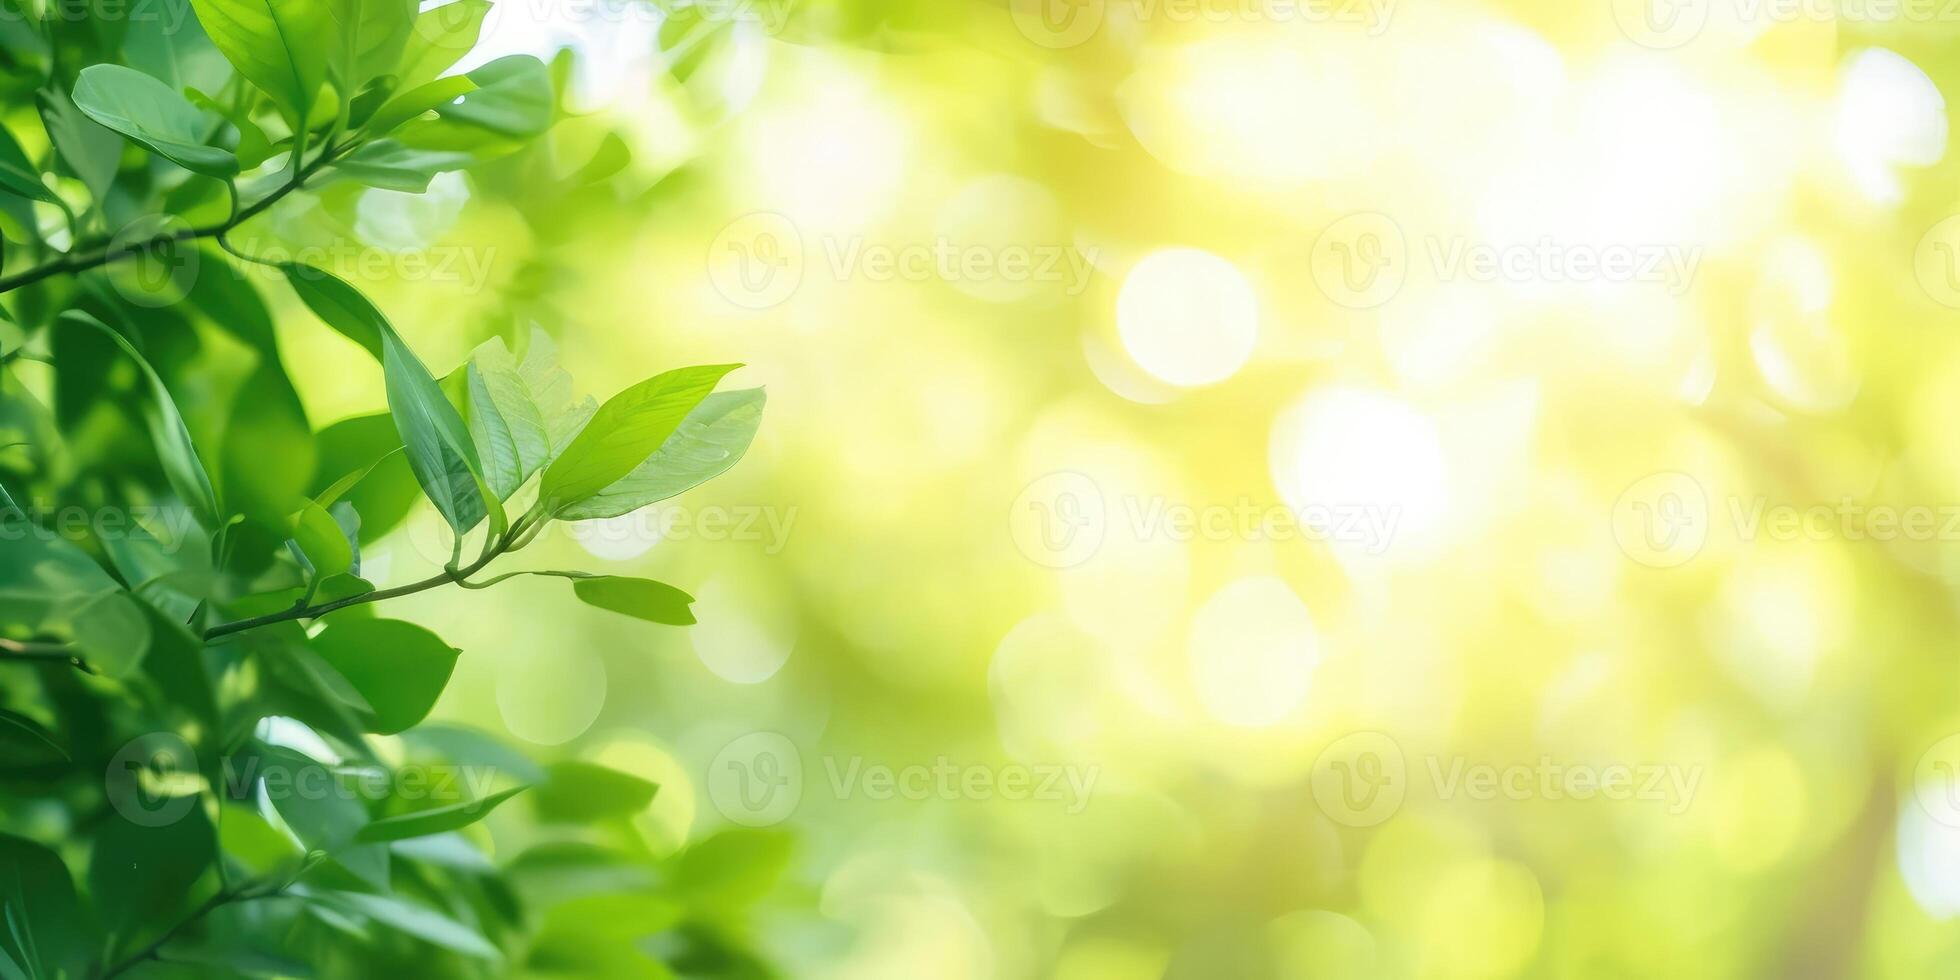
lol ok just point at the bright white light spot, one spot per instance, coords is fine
(1362, 460)
(1929, 861)
(404, 222)
(1888, 114)
(1253, 649)
(1187, 316)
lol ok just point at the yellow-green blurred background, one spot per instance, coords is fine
(1606, 350)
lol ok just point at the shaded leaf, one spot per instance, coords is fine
(640, 598)
(581, 792)
(399, 668)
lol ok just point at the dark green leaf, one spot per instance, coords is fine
(434, 821)
(420, 921)
(173, 441)
(640, 598)
(581, 792)
(17, 175)
(140, 875)
(44, 931)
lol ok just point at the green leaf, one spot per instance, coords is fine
(276, 44)
(45, 578)
(627, 429)
(581, 792)
(405, 106)
(112, 633)
(733, 868)
(41, 924)
(173, 441)
(142, 874)
(521, 415)
(640, 598)
(710, 441)
(434, 821)
(370, 35)
(317, 810)
(173, 48)
(92, 151)
(513, 97)
(23, 740)
(323, 540)
(389, 165)
(399, 668)
(440, 450)
(17, 175)
(442, 36)
(149, 112)
(253, 147)
(368, 450)
(420, 921)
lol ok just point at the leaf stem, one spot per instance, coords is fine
(223, 897)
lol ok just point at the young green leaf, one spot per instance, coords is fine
(181, 465)
(276, 44)
(513, 97)
(441, 37)
(369, 36)
(582, 792)
(324, 542)
(440, 450)
(392, 166)
(627, 429)
(41, 924)
(437, 820)
(710, 441)
(149, 112)
(520, 414)
(17, 175)
(640, 598)
(408, 105)
(399, 668)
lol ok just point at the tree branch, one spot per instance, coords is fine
(82, 263)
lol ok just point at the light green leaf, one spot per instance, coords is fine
(323, 540)
(253, 146)
(17, 175)
(370, 35)
(399, 668)
(173, 48)
(92, 151)
(420, 921)
(582, 792)
(513, 97)
(518, 412)
(322, 820)
(710, 441)
(442, 36)
(640, 598)
(181, 465)
(389, 165)
(439, 447)
(408, 105)
(627, 429)
(276, 44)
(149, 112)
(434, 821)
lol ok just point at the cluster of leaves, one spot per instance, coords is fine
(193, 674)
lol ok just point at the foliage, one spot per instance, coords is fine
(200, 773)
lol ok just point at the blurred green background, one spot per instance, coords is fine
(1316, 489)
